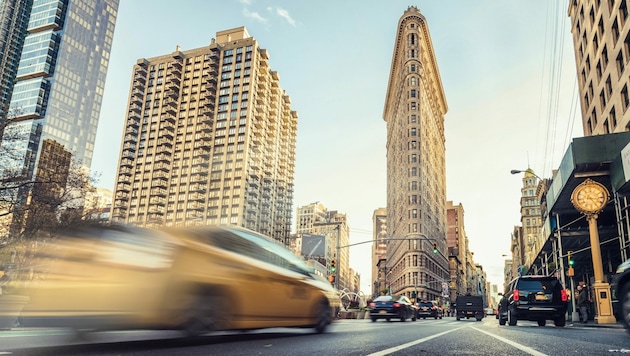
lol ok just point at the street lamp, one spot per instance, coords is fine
(528, 170)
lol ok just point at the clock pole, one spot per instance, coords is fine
(601, 290)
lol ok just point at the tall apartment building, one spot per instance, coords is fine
(14, 16)
(601, 38)
(209, 138)
(315, 219)
(415, 106)
(59, 83)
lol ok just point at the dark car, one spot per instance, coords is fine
(621, 286)
(428, 309)
(390, 307)
(535, 298)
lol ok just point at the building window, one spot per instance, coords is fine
(615, 31)
(620, 64)
(413, 66)
(624, 98)
(613, 118)
(413, 93)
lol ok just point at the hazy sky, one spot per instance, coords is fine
(507, 68)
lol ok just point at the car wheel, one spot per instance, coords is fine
(542, 322)
(511, 317)
(403, 316)
(373, 320)
(208, 313)
(624, 298)
(388, 319)
(457, 318)
(560, 321)
(324, 317)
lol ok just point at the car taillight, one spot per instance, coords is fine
(433, 308)
(515, 295)
(396, 305)
(372, 305)
(563, 295)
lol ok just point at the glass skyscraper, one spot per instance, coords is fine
(60, 78)
(56, 88)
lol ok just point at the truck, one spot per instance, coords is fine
(469, 306)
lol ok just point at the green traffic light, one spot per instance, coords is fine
(571, 262)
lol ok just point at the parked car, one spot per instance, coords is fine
(621, 285)
(195, 280)
(429, 309)
(392, 307)
(535, 298)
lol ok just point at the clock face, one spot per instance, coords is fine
(590, 197)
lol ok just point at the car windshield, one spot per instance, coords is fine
(383, 298)
(538, 285)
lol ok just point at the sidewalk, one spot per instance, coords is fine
(593, 324)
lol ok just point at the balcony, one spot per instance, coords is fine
(202, 152)
(140, 77)
(129, 154)
(161, 166)
(173, 80)
(126, 162)
(122, 196)
(168, 117)
(162, 158)
(172, 93)
(135, 108)
(204, 128)
(159, 192)
(177, 64)
(137, 84)
(157, 201)
(123, 187)
(197, 187)
(130, 138)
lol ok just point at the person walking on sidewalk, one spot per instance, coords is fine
(582, 303)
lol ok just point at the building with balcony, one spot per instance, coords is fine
(415, 106)
(209, 138)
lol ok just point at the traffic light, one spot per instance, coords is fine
(332, 266)
(571, 271)
(435, 250)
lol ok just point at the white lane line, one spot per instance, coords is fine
(409, 344)
(529, 350)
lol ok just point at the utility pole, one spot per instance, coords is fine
(338, 256)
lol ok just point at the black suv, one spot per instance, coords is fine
(429, 309)
(621, 286)
(535, 298)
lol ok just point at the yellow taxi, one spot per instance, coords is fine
(193, 279)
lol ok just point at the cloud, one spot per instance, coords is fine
(254, 15)
(285, 14)
(246, 2)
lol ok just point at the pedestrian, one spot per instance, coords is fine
(582, 303)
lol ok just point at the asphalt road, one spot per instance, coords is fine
(345, 337)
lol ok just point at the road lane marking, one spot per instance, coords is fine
(413, 343)
(529, 350)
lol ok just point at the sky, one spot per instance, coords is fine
(507, 68)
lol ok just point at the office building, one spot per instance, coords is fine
(316, 219)
(58, 87)
(209, 138)
(14, 16)
(415, 107)
(601, 41)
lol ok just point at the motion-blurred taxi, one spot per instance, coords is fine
(196, 280)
